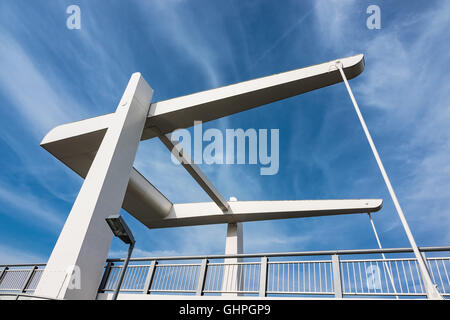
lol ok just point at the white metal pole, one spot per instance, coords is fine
(430, 287)
(388, 269)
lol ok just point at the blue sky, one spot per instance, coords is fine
(51, 75)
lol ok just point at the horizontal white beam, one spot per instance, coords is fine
(82, 136)
(76, 143)
(189, 214)
(181, 112)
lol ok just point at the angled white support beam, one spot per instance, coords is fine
(84, 242)
(143, 199)
(181, 112)
(198, 175)
(76, 144)
(85, 136)
(189, 214)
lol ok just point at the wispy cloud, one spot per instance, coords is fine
(11, 255)
(405, 84)
(283, 36)
(186, 35)
(29, 90)
(51, 75)
(31, 208)
(334, 19)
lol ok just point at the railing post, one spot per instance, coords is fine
(28, 279)
(105, 277)
(263, 277)
(201, 277)
(426, 261)
(336, 276)
(149, 279)
(429, 268)
(3, 273)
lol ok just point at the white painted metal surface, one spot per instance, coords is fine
(234, 244)
(85, 239)
(189, 214)
(186, 161)
(76, 144)
(341, 273)
(103, 149)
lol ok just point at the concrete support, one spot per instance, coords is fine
(234, 245)
(76, 264)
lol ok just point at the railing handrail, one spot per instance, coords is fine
(25, 295)
(287, 254)
(259, 255)
(24, 265)
(341, 277)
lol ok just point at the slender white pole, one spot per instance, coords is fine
(388, 269)
(430, 287)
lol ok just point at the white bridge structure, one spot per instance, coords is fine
(102, 151)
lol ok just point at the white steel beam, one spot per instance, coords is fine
(181, 112)
(84, 242)
(84, 136)
(76, 144)
(189, 214)
(198, 175)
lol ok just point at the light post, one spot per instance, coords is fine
(121, 230)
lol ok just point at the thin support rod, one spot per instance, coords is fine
(388, 269)
(430, 287)
(195, 172)
(122, 272)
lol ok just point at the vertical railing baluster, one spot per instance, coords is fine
(412, 276)
(446, 273)
(405, 276)
(439, 273)
(304, 277)
(320, 277)
(399, 278)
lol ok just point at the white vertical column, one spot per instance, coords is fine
(234, 244)
(84, 242)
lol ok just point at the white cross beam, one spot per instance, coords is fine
(102, 150)
(76, 143)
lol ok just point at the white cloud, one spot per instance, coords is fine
(10, 255)
(186, 35)
(333, 19)
(30, 208)
(406, 82)
(30, 91)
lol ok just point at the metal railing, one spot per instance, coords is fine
(20, 279)
(337, 274)
(317, 274)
